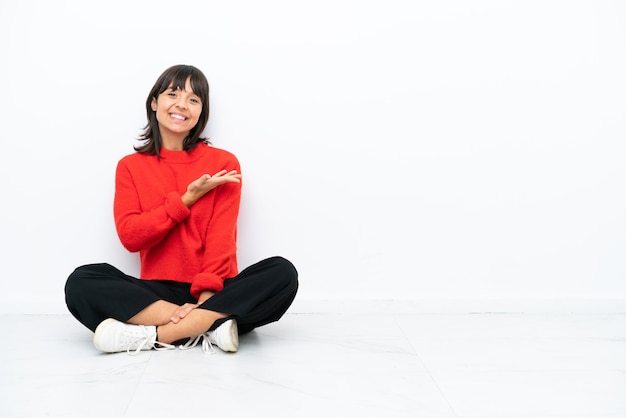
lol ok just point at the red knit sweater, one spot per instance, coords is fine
(194, 245)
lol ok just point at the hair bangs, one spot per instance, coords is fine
(177, 80)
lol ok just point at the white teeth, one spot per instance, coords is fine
(178, 117)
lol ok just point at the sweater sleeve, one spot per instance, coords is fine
(139, 229)
(220, 252)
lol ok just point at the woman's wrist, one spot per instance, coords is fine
(188, 199)
(204, 296)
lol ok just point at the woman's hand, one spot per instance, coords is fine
(206, 183)
(183, 311)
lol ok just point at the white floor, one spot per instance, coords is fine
(329, 365)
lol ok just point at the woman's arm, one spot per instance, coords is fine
(220, 246)
(139, 229)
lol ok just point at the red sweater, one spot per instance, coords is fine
(194, 245)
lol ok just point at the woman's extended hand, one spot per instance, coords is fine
(206, 183)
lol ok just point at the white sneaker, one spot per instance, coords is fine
(226, 336)
(113, 336)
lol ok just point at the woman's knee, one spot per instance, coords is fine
(74, 283)
(286, 271)
(79, 278)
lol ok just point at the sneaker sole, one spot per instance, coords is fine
(234, 336)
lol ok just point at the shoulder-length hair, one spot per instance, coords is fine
(175, 78)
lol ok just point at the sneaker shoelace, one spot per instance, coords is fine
(139, 338)
(143, 338)
(159, 346)
(207, 347)
(141, 343)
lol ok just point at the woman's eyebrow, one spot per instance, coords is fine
(182, 89)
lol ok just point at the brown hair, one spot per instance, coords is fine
(176, 78)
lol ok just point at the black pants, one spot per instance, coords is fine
(258, 295)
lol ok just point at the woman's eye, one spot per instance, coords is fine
(171, 94)
(196, 101)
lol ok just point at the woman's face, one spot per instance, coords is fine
(177, 111)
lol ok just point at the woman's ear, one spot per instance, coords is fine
(154, 104)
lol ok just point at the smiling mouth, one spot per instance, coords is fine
(178, 117)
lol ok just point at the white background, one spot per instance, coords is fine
(451, 153)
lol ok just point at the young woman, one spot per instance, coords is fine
(176, 203)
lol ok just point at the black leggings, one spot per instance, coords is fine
(258, 295)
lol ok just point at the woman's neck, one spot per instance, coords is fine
(172, 143)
